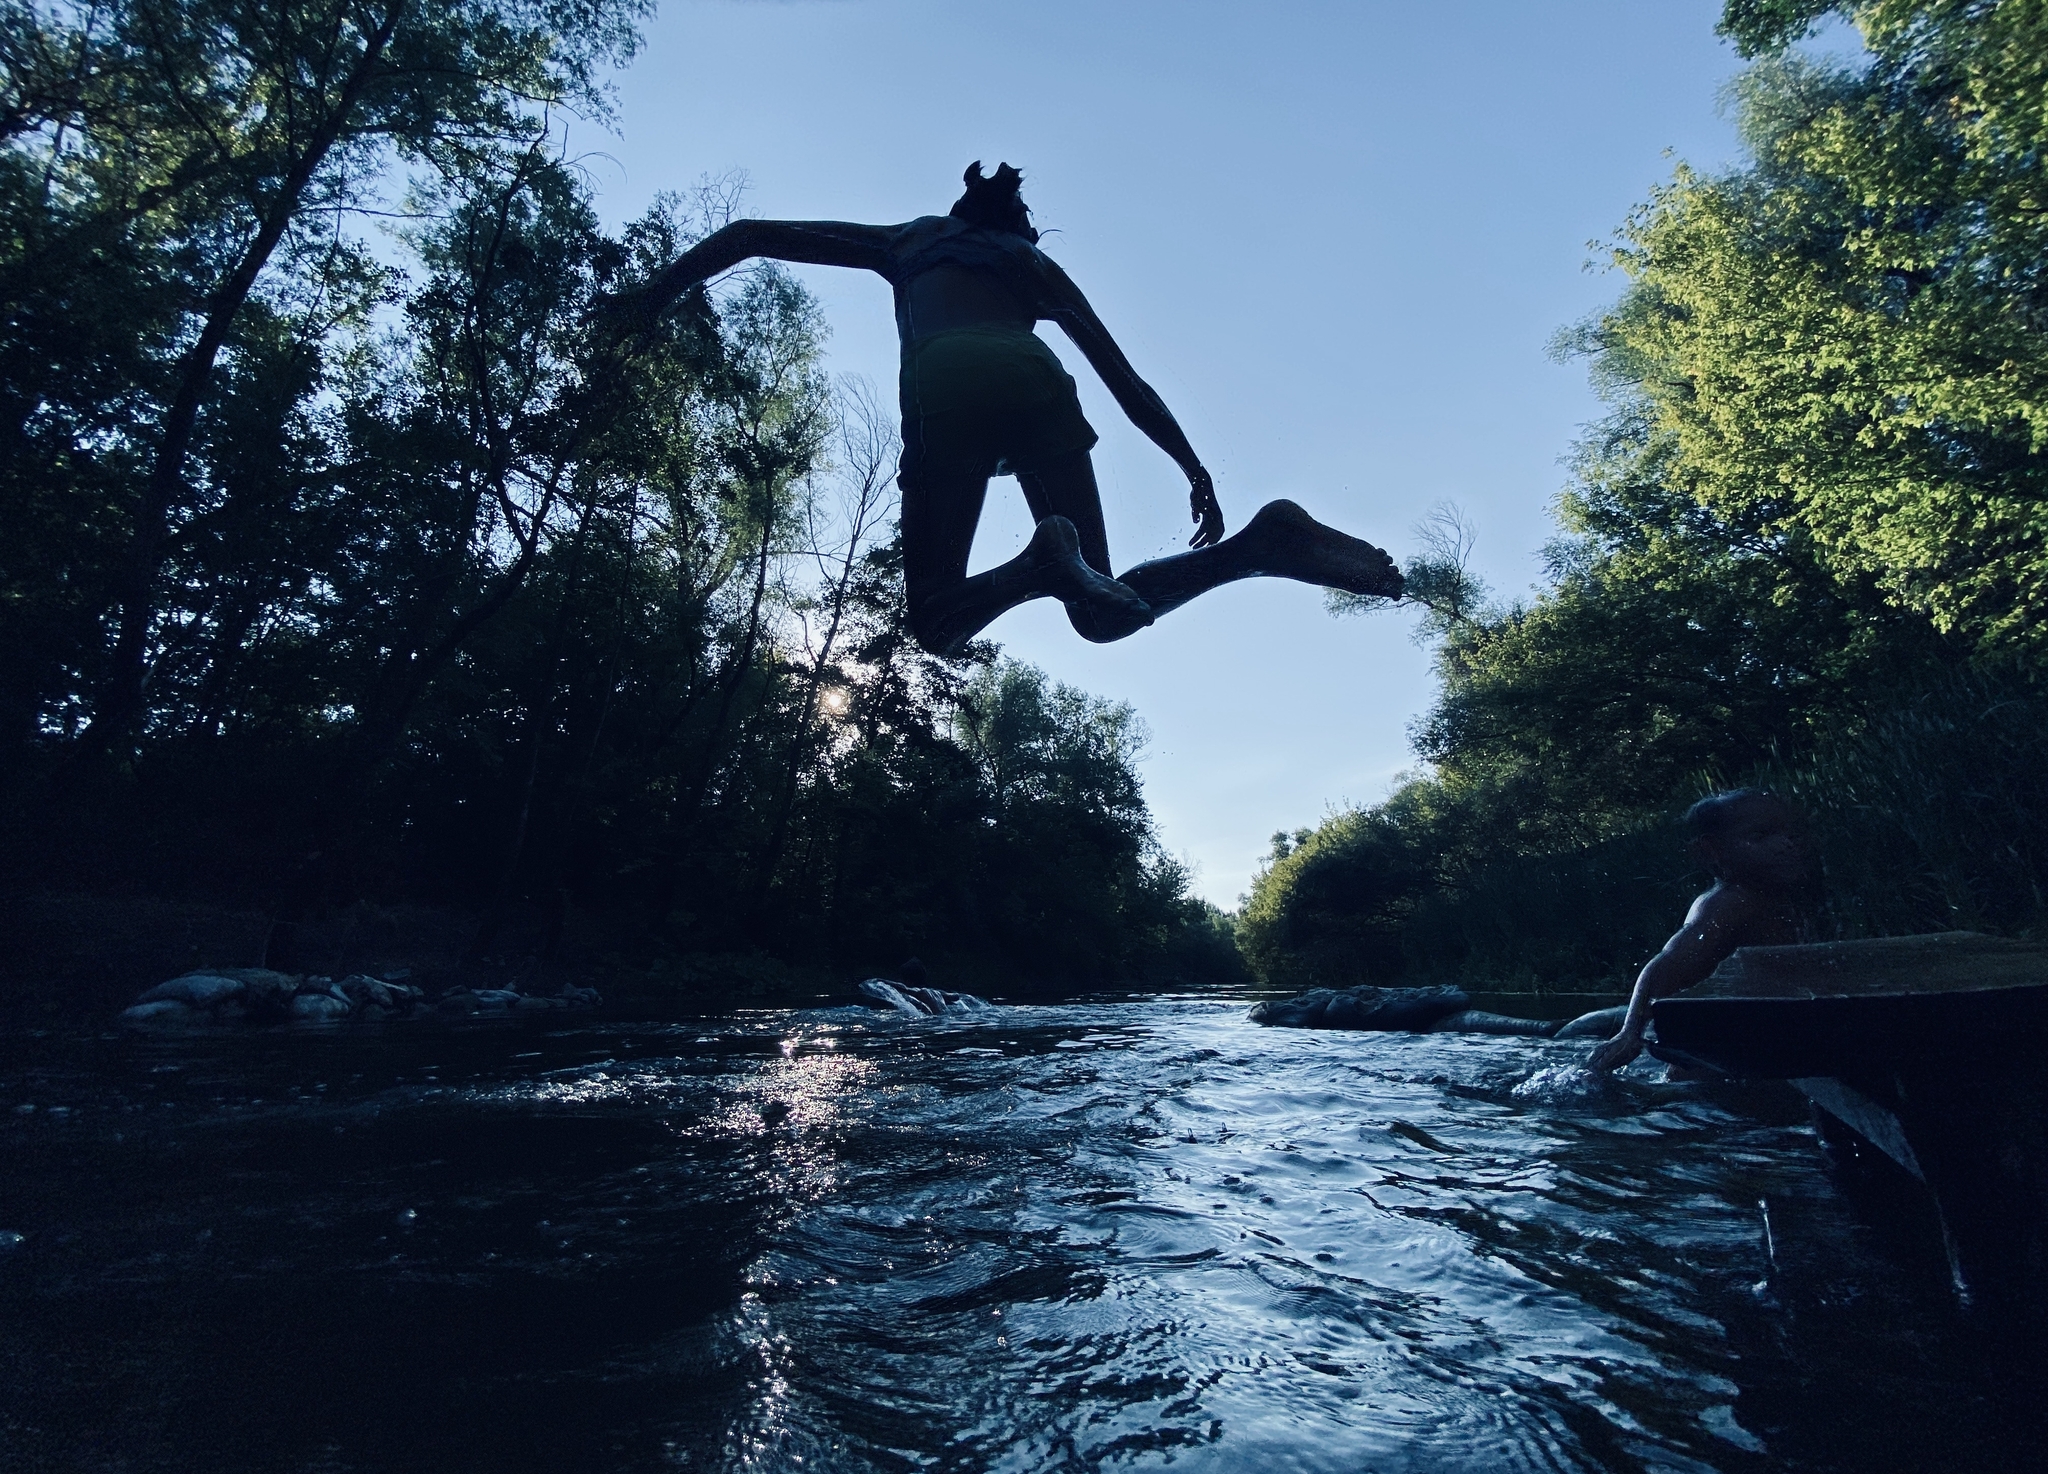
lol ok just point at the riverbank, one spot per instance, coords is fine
(76, 959)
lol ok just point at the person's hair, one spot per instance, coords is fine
(994, 202)
(1711, 815)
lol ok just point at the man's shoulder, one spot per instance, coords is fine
(1727, 904)
(924, 229)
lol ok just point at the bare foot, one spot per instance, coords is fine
(1055, 549)
(1284, 540)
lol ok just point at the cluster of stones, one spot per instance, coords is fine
(256, 995)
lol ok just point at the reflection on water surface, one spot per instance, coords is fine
(1115, 1235)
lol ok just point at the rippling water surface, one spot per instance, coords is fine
(1116, 1234)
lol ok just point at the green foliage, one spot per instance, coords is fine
(177, 178)
(1757, 26)
(348, 567)
(1844, 342)
(1388, 896)
(1935, 810)
(1808, 548)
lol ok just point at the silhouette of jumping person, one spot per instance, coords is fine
(984, 396)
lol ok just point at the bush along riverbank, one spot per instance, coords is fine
(1807, 548)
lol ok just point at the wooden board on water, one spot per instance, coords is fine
(1846, 1008)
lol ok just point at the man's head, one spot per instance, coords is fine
(1752, 837)
(993, 202)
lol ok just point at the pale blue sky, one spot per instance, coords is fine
(1335, 236)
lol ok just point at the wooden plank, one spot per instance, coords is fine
(1847, 1008)
(1865, 1116)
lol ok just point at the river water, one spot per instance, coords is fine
(1117, 1234)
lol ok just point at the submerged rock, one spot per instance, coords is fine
(1479, 1021)
(1420, 1011)
(162, 1013)
(507, 1000)
(237, 995)
(1363, 1007)
(195, 990)
(319, 1007)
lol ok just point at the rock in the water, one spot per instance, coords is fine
(256, 995)
(1478, 1021)
(363, 990)
(916, 1002)
(161, 1013)
(195, 990)
(319, 1007)
(1363, 1007)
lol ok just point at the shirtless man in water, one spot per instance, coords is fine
(1755, 845)
(984, 396)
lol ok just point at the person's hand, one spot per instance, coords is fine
(1616, 1052)
(1202, 502)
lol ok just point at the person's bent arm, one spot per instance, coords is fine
(1138, 399)
(813, 242)
(1712, 931)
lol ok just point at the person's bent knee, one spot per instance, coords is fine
(926, 627)
(1100, 628)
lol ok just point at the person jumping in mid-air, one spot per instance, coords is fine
(984, 396)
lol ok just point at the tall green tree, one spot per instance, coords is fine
(1847, 341)
(1822, 491)
(193, 164)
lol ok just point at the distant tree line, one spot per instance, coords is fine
(343, 558)
(1808, 547)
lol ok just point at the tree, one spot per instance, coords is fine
(199, 158)
(1844, 341)
(1819, 494)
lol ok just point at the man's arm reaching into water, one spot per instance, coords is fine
(1137, 398)
(814, 242)
(1720, 920)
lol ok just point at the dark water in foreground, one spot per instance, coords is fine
(1114, 1235)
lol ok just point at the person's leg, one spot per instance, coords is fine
(1281, 541)
(940, 509)
(1064, 486)
(947, 609)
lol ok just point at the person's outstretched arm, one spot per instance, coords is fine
(1720, 920)
(1137, 398)
(814, 242)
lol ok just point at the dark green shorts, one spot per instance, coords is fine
(987, 402)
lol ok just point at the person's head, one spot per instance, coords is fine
(994, 202)
(1752, 837)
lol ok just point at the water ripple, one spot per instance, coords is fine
(1120, 1235)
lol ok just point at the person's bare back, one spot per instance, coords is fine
(1755, 845)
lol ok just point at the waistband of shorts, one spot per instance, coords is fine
(986, 334)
